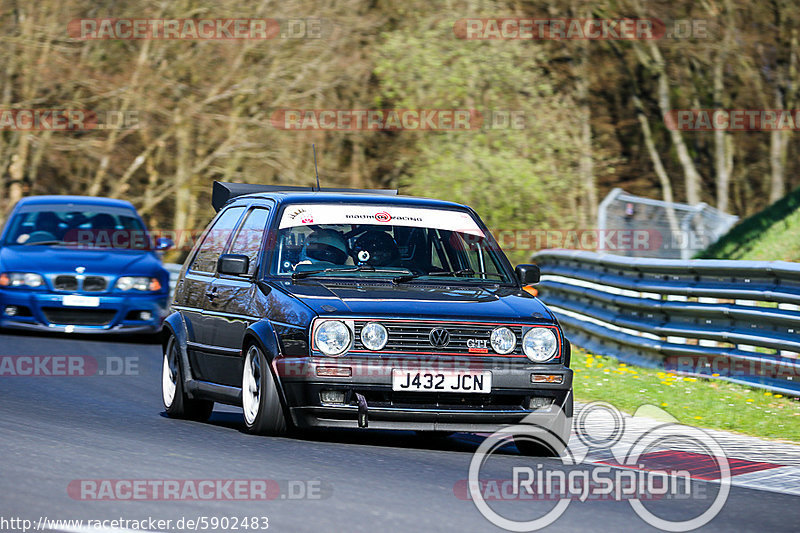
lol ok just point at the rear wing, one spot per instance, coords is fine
(223, 192)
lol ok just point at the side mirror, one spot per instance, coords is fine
(528, 274)
(233, 264)
(163, 243)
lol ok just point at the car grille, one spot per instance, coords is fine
(414, 336)
(68, 282)
(428, 400)
(94, 284)
(78, 317)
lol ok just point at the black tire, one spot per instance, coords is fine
(263, 411)
(531, 448)
(178, 404)
(546, 443)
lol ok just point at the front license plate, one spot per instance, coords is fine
(73, 300)
(441, 381)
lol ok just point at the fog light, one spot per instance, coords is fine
(11, 310)
(547, 378)
(334, 371)
(145, 315)
(332, 396)
(538, 402)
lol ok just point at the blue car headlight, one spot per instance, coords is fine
(21, 279)
(138, 283)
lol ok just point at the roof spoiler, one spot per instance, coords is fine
(223, 192)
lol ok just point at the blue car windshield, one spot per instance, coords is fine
(405, 243)
(69, 225)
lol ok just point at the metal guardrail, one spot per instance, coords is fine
(174, 270)
(732, 320)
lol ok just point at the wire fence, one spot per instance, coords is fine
(683, 229)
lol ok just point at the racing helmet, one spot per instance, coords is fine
(325, 245)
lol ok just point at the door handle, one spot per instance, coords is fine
(211, 294)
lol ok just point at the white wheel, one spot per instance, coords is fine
(263, 411)
(176, 402)
(251, 385)
(169, 378)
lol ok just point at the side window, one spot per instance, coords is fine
(215, 239)
(248, 240)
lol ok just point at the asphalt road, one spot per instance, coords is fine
(56, 430)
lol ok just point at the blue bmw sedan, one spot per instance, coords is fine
(79, 264)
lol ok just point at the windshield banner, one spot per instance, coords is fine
(383, 215)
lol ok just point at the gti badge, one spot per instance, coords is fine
(80, 270)
(478, 345)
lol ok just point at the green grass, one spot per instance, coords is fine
(769, 235)
(700, 402)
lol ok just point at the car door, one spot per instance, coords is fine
(195, 290)
(231, 311)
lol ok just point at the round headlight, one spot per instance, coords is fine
(503, 340)
(540, 344)
(332, 337)
(374, 336)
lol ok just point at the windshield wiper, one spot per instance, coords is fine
(306, 273)
(43, 243)
(454, 273)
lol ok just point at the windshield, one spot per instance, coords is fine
(405, 243)
(68, 225)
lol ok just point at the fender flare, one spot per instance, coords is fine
(264, 335)
(174, 326)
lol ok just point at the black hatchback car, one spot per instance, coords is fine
(328, 308)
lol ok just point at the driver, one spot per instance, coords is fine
(324, 246)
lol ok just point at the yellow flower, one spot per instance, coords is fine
(714, 375)
(698, 418)
(664, 404)
(767, 394)
(750, 400)
(779, 395)
(689, 379)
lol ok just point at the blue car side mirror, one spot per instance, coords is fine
(163, 243)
